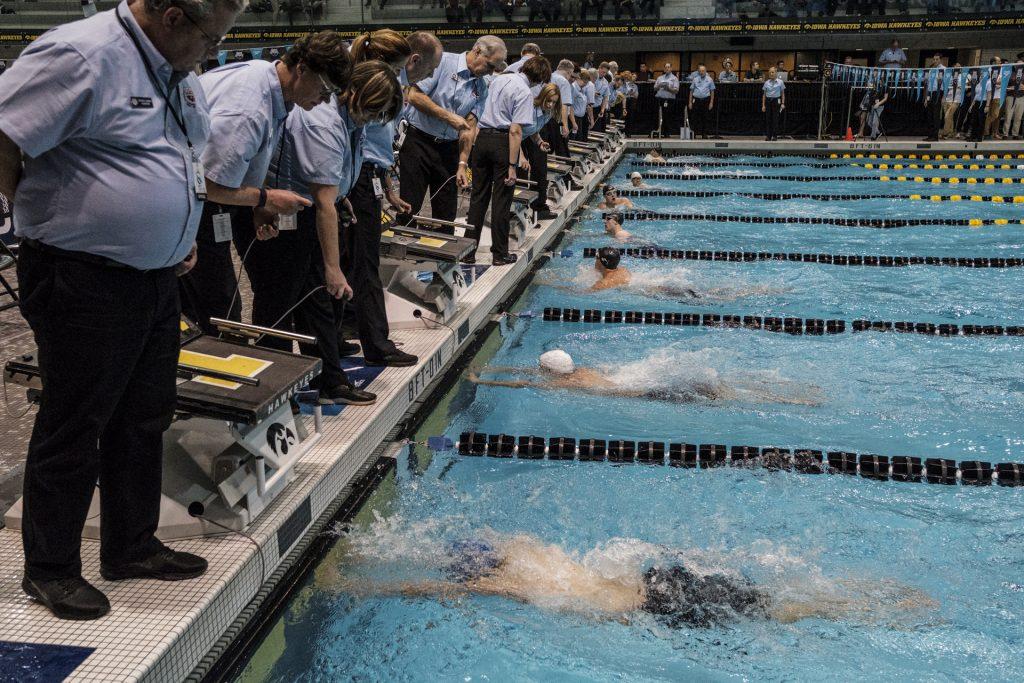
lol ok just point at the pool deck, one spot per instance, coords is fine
(173, 631)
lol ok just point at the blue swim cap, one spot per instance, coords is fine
(471, 558)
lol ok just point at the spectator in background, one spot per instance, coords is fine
(702, 101)
(598, 6)
(507, 8)
(963, 114)
(754, 73)
(727, 75)
(650, 8)
(453, 11)
(643, 74)
(588, 61)
(979, 101)
(933, 97)
(552, 10)
(995, 99)
(893, 56)
(848, 60)
(773, 101)
(624, 7)
(870, 110)
(631, 91)
(1014, 104)
(781, 71)
(951, 101)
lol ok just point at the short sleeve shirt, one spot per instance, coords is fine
(670, 91)
(702, 86)
(773, 88)
(452, 87)
(509, 101)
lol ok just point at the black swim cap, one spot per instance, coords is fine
(682, 598)
(609, 257)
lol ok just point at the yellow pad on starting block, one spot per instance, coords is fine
(236, 364)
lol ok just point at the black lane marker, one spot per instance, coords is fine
(815, 220)
(638, 192)
(905, 468)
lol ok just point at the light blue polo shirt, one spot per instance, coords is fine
(508, 101)
(540, 117)
(107, 169)
(602, 90)
(630, 90)
(321, 146)
(379, 138)
(453, 87)
(579, 101)
(672, 89)
(247, 113)
(564, 88)
(773, 88)
(893, 57)
(517, 66)
(701, 87)
(591, 92)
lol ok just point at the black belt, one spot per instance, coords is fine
(416, 132)
(82, 256)
(494, 131)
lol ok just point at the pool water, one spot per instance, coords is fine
(930, 578)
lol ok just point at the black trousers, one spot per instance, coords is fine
(933, 114)
(671, 116)
(362, 267)
(428, 164)
(108, 352)
(699, 116)
(552, 134)
(582, 128)
(977, 122)
(281, 271)
(600, 121)
(207, 291)
(771, 117)
(538, 159)
(490, 168)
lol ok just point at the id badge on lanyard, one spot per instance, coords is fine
(198, 175)
(378, 187)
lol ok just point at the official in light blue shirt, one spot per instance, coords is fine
(321, 146)
(108, 171)
(702, 86)
(773, 87)
(579, 102)
(565, 93)
(667, 86)
(248, 111)
(452, 87)
(508, 101)
(540, 116)
(529, 51)
(379, 138)
(893, 56)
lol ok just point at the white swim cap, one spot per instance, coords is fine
(558, 362)
(635, 174)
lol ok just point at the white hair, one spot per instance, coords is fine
(491, 46)
(566, 65)
(197, 9)
(558, 362)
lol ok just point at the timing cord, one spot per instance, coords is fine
(420, 314)
(7, 401)
(259, 550)
(238, 276)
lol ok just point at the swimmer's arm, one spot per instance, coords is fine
(507, 370)
(421, 589)
(512, 384)
(602, 284)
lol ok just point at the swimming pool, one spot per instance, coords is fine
(800, 537)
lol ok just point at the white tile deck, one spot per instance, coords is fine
(160, 631)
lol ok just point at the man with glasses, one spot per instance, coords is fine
(102, 131)
(249, 102)
(442, 127)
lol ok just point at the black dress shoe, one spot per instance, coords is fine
(469, 260)
(546, 215)
(346, 348)
(74, 599)
(344, 395)
(395, 359)
(505, 260)
(165, 565)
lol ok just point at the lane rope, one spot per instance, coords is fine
(651, 192)
(903, 468)
(786, 324)
(815, 220)
(935, 180)
(957, 166)
(818, 154)
(829, 259)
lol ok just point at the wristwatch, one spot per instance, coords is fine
(263, 198)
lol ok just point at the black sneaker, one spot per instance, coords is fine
(343, 395)
(164, 565)
(347, 348)
(395, 359)
(505, 260)
(546, 215)
(469, 260)
(74, 598)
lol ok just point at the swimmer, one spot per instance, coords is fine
(612, 201)
(525, 569)
(607, 266)
(558, 371)
(637, 180)
(613, 226)
(654, 156)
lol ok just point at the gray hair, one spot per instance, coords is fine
(197, 9)
(566, 65)
(491, 46)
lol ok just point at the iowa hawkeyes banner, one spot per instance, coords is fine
(821, 25)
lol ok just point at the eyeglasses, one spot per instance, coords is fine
(212, 41)
(326, 89)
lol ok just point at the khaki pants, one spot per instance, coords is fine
(992, 117)
(949, 114)
(1014, 115)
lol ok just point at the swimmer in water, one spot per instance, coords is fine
(558, 371)
(637, 180)
(654, 156)
(607, 266)
(613, 226)
(525, 569)
(612, 201)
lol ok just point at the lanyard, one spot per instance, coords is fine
(156, 82)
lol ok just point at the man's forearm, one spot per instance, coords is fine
(327, 233)
(515, 140)
(232, 196)
(466, 140)
(10, 166)
(426, 105)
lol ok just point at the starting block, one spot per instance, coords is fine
(233, 443)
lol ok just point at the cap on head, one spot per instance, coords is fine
(635, 175)
(557, 361)
(609, 257)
